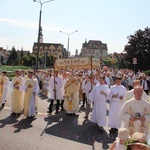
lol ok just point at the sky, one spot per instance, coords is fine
(109, 21)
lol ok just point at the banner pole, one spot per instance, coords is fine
(54, 79)
(91, 70)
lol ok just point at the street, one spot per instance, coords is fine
(44, 132)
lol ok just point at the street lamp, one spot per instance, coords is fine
(38, 46)
(68, 34)
(134, 63)
(45, 55)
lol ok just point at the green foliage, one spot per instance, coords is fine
(21, 53)
(147, 72)
(12, 57)
(139, 47)
(12, 68)
(132, 141)
(16, 62)
(49, 59)
(28, 60)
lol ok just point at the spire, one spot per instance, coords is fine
(41, 35)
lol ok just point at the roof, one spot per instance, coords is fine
(95, 44)
(56, 45)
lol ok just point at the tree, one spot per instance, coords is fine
(21, 53)
(12, 57)
(139, 47)
(28, 60)
(28, 53)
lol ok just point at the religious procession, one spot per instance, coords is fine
(80, 84)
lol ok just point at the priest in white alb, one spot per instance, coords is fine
(17, 94)
(116, 96)
(130, 93)
(135, 113)
(71, 103)
(31, 91)
(98, 96)
(5, 84)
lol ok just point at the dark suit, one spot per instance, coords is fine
(148, 86)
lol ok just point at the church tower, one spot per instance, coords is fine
(41, 35)
(76, 52)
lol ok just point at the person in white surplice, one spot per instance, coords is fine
(88, 89)
(55, 85)
(99, 96)
(130, 94)
(135, 113)
(31, 88)
(4, 85)
(116, 97)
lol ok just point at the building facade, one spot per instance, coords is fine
(95, 48)
(54, 49)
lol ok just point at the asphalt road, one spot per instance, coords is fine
(45, 132)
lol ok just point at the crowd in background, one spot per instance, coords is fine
(126, 92)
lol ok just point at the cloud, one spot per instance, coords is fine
(28, 24)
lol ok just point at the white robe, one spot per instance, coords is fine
(130, 94)
(115, 105)
(58, 87)
(131, 107)
(5, 87)
(29, 104)
(17, 95)
(99, 108)
(119, 146)
(46, 82)
(88, 89)
(62, 89)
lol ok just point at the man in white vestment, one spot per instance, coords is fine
(88, 89)
(135, 113)
(31, 91)
(17, 93)
(23, 75)
(5, 83)
(116, 96)
(65, 78)
(98, 97)
(56, 83)
(130, 94)
(46, 82)
(71, 103)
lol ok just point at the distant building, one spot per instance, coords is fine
(94, 47)
(54, 49)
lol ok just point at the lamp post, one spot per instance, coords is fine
(68, 34)
(134, 63)
(45, 55)
(38, 45)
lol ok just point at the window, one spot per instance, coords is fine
(95, 45)
(101, 51)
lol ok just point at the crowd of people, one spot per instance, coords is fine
(126, 92)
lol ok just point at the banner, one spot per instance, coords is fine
(77, 63)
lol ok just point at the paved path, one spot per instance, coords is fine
(55, 132)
